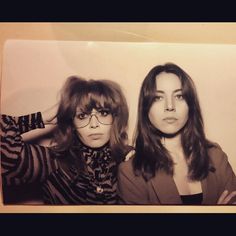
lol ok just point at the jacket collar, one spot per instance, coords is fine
(165, 188)
(167, 192)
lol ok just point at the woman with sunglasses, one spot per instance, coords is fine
(89, 142)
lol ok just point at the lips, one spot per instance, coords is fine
(170, 120)
(95, 136)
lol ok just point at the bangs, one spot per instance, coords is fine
(94, 100)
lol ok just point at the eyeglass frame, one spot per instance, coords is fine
(95, 114)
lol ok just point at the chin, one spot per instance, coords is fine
(96, 144)
(171, 133)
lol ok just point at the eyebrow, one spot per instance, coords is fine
(175, 91)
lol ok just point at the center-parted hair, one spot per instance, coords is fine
(151, 155)
(88, 95)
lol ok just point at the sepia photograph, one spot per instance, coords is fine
(118, 117)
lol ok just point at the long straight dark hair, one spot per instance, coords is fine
(89, 94)
(151, 155)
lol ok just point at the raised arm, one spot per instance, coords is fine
(22, 163)
(41, 136)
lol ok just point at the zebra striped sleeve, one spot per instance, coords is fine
(22, 163)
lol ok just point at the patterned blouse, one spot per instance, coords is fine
(23, 163)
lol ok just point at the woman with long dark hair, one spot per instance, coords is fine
(89, 142)
(174, 162)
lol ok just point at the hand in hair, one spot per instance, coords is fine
(226, 197)
(49, 115)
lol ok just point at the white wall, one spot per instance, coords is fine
(34, 71)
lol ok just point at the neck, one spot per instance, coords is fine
(174, 146)
(172, 142)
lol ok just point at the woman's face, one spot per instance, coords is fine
(93, 129)
(169, 111)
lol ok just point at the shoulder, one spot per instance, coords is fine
(126, 174)
(217, 155)
(127, 164)
(129, 152)
(126, 169)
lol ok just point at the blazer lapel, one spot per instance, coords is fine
(209, 190)
(165, 188)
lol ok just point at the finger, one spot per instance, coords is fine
(222, 197)
(228, 198)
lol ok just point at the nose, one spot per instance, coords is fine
(93, 121)
(169, 104)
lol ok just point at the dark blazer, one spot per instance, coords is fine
(161, 189)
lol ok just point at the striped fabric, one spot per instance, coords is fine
(23, 163)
